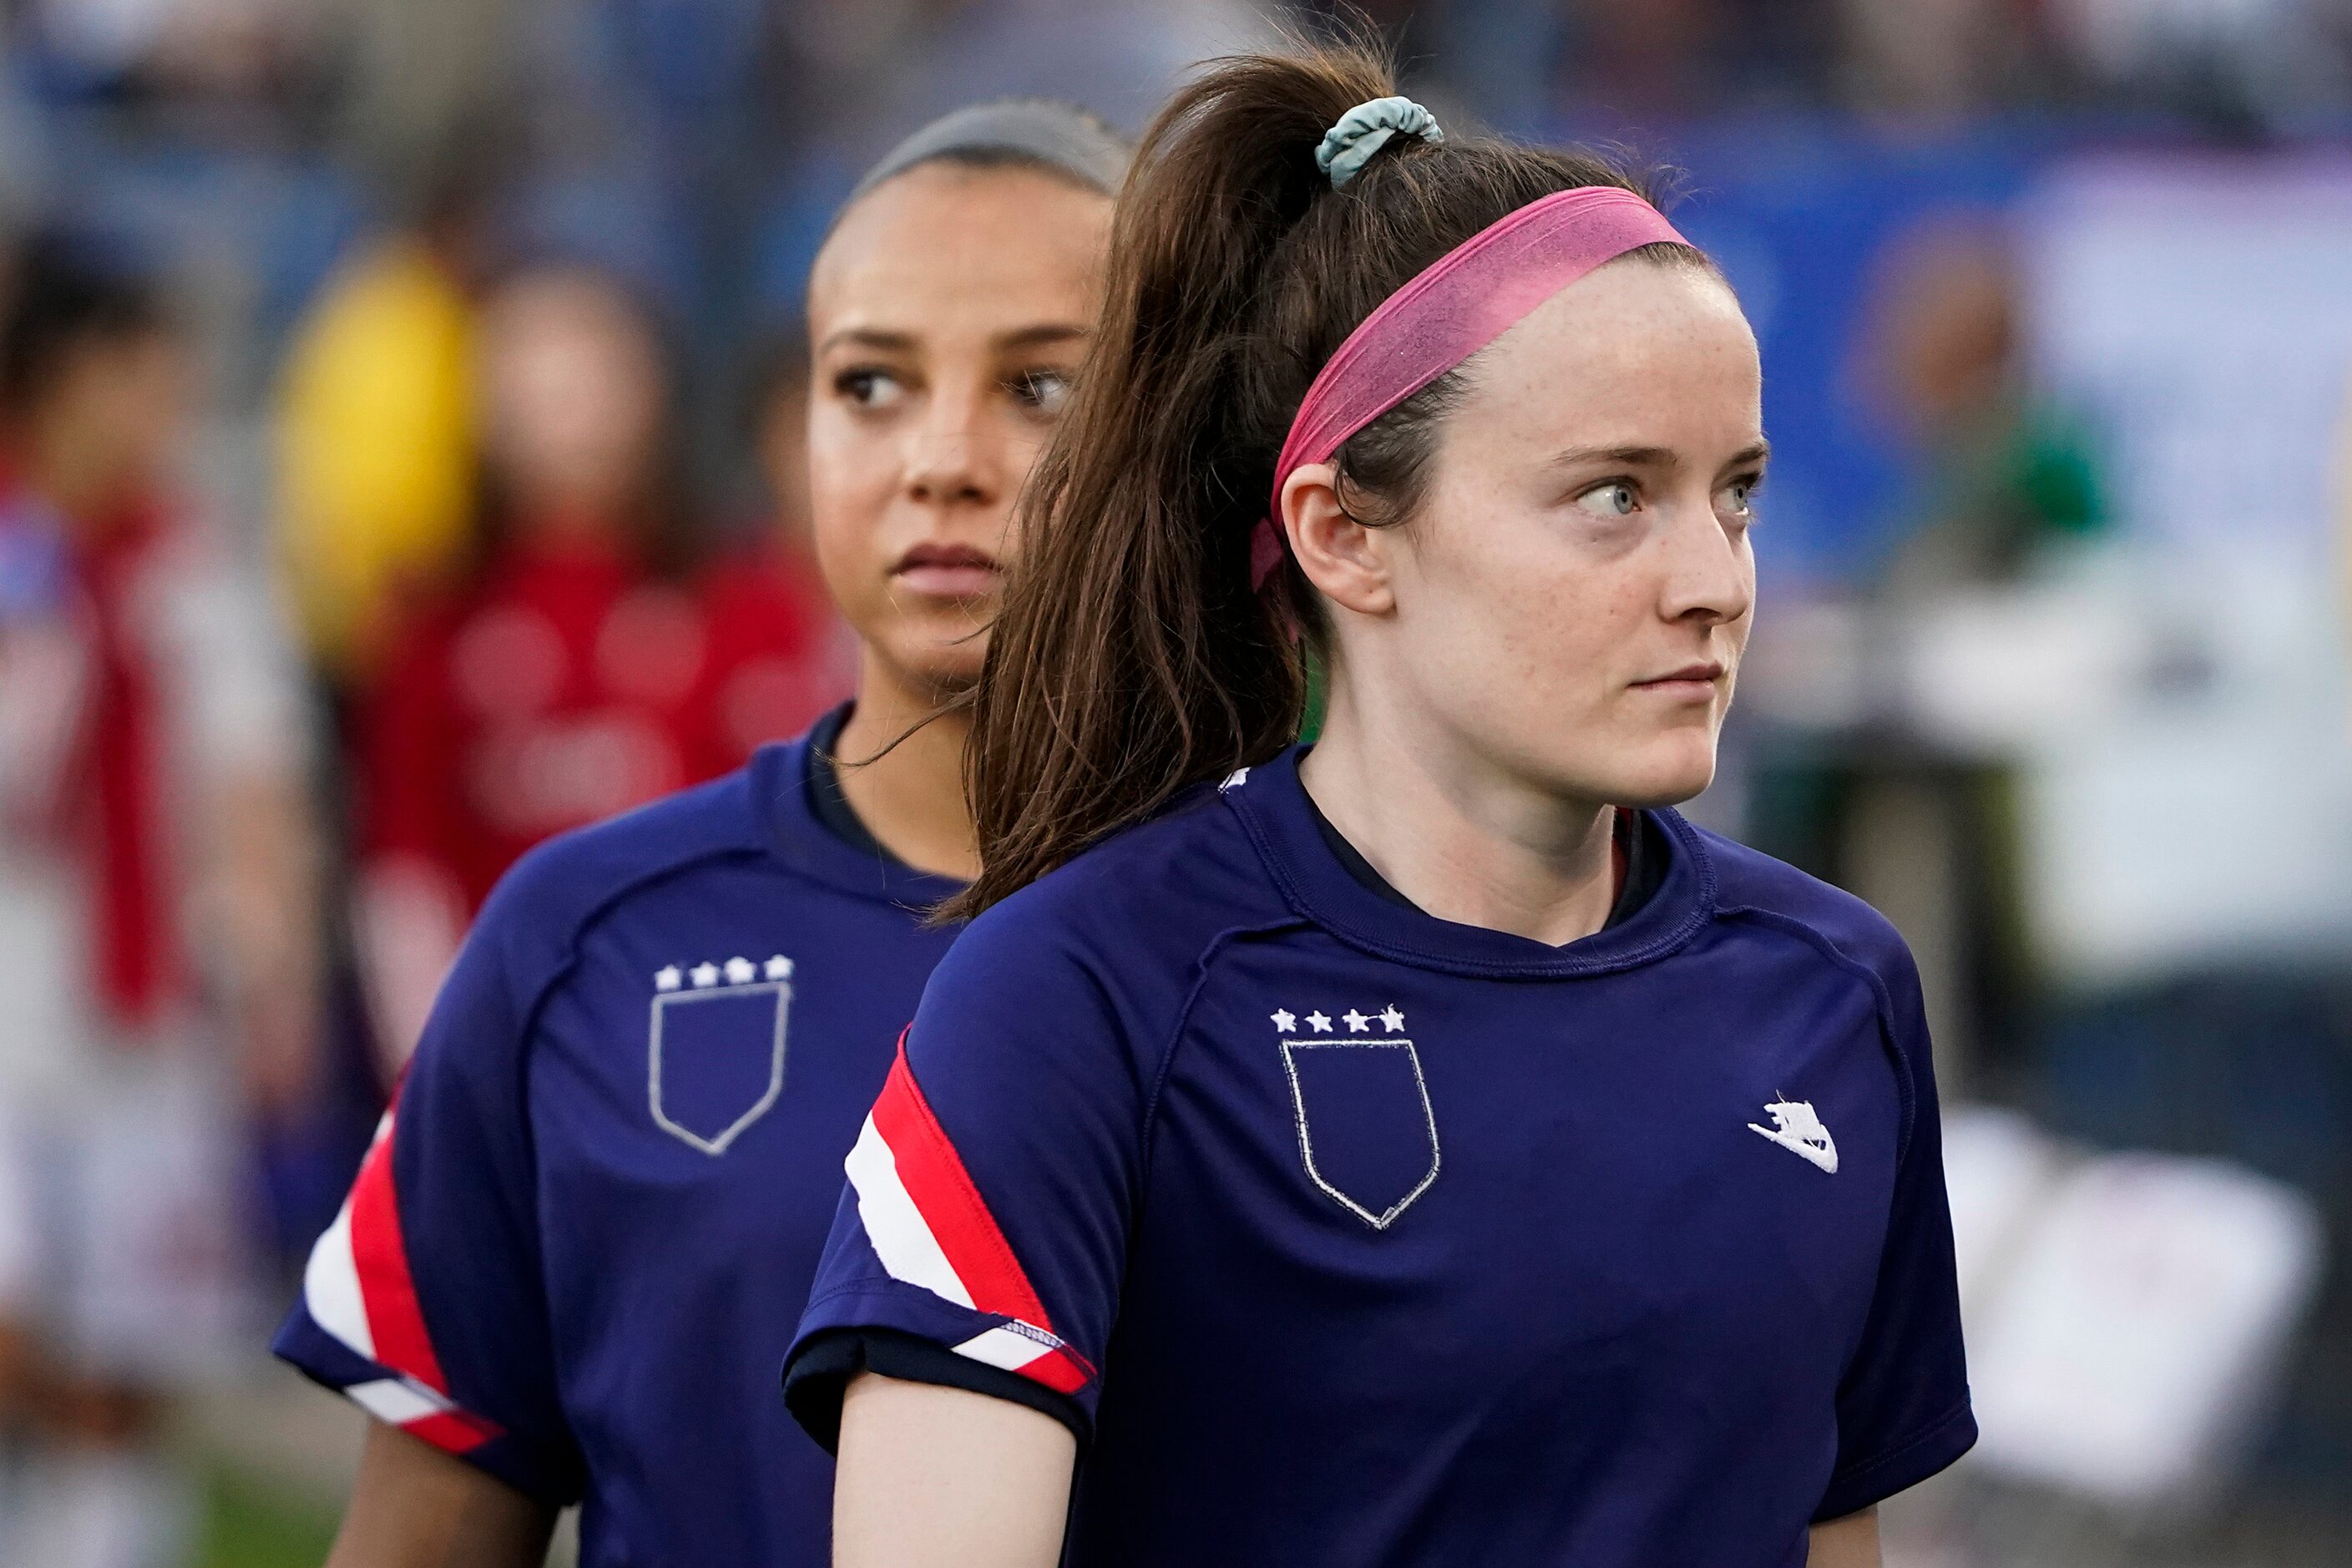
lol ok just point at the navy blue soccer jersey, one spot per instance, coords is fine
(1342, 1234)
(576, 1251)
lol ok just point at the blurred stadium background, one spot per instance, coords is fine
(2056, 305)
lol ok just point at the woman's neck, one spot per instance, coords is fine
(900, 762)
(1461, 838)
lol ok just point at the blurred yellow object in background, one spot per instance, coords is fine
(375, 445)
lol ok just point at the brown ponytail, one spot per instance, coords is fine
(1132, 659)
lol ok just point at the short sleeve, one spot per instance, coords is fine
(1903, 1407)
(422, 1300)
(993, 1187)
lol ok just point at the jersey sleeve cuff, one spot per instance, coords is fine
(540, 1471)
(1874, 1480)
(979, 1350)
(820, 1371)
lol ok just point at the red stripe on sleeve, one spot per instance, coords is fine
(395, 1320)
(1060, 1371)
(944, 1193)
(451, 1431)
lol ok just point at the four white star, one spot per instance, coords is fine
(739, 970)
(1390, 1019)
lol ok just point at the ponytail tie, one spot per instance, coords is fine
(1364, 129)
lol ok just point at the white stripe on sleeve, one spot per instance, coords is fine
(331, 1286)
(396, 1401)
(902, 1239)
(1002, 1347)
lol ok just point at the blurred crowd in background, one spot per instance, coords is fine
(400, 407)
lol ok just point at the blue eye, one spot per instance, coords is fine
(1738, 498)
(1614, 498)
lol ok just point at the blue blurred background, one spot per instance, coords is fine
(2055, 300)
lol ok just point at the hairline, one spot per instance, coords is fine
(981, 160)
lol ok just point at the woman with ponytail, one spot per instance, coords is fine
(1424, 1147)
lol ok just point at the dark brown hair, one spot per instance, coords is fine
(1132, 658)
(63, 296)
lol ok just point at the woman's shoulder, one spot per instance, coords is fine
(1753, 885)
(1151, 897)
(1192, 861)
(550, 895)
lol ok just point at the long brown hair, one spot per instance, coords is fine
(1132, 658)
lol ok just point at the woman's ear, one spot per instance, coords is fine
(1346, 562)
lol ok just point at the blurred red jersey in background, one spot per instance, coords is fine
(568, 684)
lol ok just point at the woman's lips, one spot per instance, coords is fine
(1692, 683)
(946, 572)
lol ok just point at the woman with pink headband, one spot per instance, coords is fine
(1426, 1147)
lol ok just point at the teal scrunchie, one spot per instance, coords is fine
(1365, 130)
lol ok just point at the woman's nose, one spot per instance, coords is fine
(952, 458)
(1709, 577)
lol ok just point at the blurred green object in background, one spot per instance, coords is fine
(253, 1521)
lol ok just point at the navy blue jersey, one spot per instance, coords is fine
(576, 1251)
(1347, 1234)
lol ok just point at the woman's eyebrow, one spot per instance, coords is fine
(1042, 333)
(1622, 456)
(869, 338)
(1649, 456)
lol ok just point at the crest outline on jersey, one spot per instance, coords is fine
(1292, 1053)
(736, 984)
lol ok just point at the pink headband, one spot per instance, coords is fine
(1459, 303)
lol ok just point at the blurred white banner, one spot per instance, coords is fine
(2200, 311)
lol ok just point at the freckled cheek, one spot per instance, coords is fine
(1544, 635)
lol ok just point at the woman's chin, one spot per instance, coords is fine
(949, 672)
(1668, 779)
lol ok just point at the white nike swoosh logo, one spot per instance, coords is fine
(1824, 1158)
